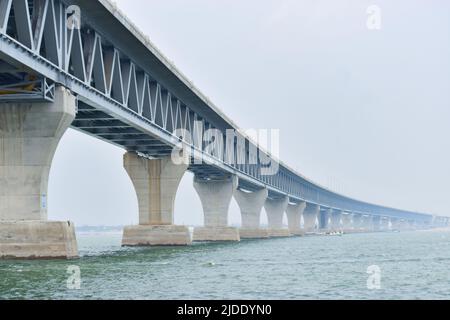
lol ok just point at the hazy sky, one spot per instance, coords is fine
(364, 112)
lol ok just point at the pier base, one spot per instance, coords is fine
(216, 234)
(247, 233)
(279, 233)
(29, 135)
(215, 196)
(151, 235)
(298, 233)
(37, 240)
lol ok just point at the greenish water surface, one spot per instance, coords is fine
(413, 265)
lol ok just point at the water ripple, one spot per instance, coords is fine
(413, 266)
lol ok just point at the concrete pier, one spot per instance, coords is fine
(412, 225)
(251, 204)
(215, 196)
(310, 216)
(294, 214)
(156, 182)
(400, 224)
(156, 235)
(376, 223)
(347, 222)
(275, 209)
(405, 225)
(385, 224)
(324, 220)
(37, 240)
(394, 224)
(335, 221)
(29, 136)
(357, 222)
(367, 224)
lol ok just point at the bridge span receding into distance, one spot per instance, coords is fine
(83, 64)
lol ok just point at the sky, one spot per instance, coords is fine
(362, 99)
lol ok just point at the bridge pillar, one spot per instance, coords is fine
(310, 216)
(420, 225)
(376, 223)
(215, 196)
(401, 225)
(251, 204)
(410, 225)
(156, 182)
(29, 136)
(336, 217)
(357, 222)
(294, 214)
(324, 220)
(367, 223)
(446, 222)
(405, 225)
(427, 225)
(433, 222)
(347, 223)
(275, 209)
(438, 222)
(384, 224)
(394, 222)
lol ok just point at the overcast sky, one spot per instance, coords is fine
(364, 112)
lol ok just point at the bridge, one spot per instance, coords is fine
(83, 64)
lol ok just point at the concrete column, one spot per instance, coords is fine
(439, 222)
(156, 182)
(401, 224)
(426, 225)
(251, 204)
(384, 224)
(336, 216)
(324, 220)
(367, 223)
(29, 136)
(409, 225)
(376, 223)
(347, 222)
(275, 209)
(310, 216)
(216, 197)
(434, 222)
(395, 225)
(405, 225)
(420, 225)
(294, 214)
(357, 222)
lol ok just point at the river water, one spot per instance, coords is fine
(409, 265)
